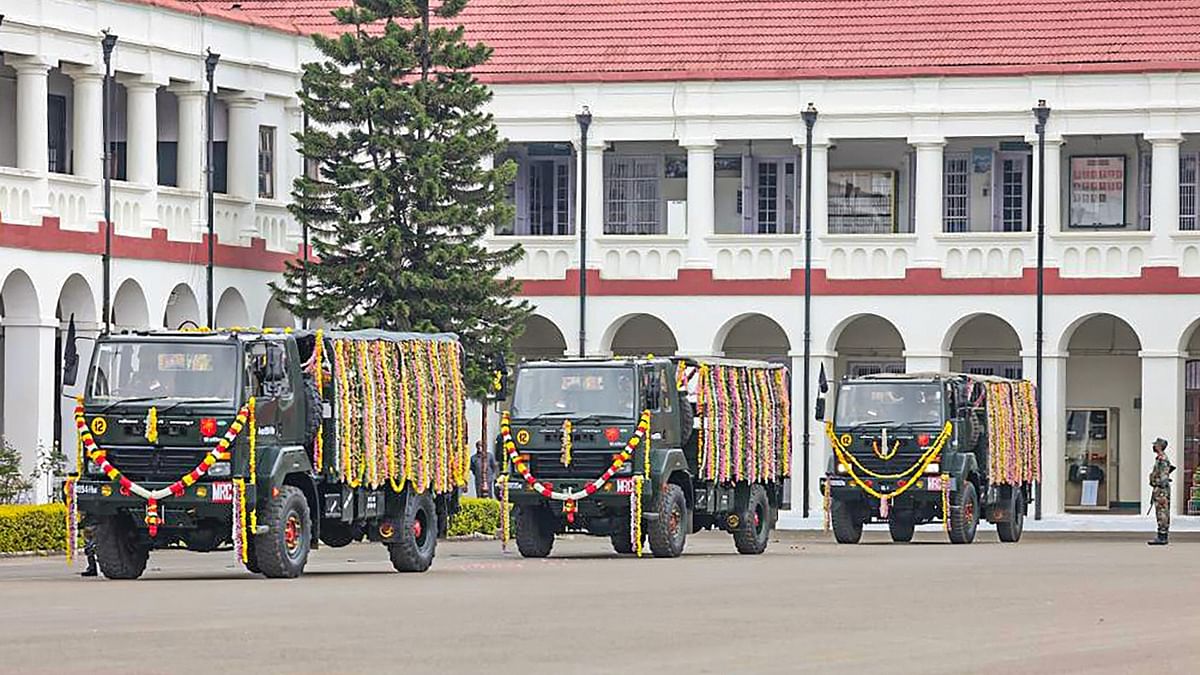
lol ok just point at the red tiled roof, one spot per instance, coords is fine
(654, 40)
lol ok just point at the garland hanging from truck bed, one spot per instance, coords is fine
(1013, 440)
(401, 413)
(745, 431)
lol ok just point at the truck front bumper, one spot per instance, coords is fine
(927, 488)
(200, 501)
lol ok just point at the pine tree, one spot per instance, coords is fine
(402, 198)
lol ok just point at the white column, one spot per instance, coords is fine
(818, 450)
(926, 362)
(700, 202)
(33, 139)
(87, 124)
(1162, 416)
(1054, 414)
(29, 392)
(595, 197)
(928, 201)
(1054, 169)
(1164, 199)
(243, 148)
(820, 187)
(190, 153)
(141, 131)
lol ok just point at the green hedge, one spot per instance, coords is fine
(475, 515)
(32, 528)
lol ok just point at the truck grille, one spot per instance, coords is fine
(584, 465)
(906, 455)
(150, 464)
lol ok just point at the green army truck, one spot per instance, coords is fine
(205, 439)
(591, 444)
(910, 449)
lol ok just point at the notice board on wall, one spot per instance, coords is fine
(1097, 191)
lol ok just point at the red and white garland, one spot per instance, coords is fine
(100, 457)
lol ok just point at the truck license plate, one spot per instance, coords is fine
(933, 483)
(222, 493)
(624, 486)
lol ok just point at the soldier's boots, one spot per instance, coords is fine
(91, 568)
(1160, 540)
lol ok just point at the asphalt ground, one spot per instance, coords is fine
(1050, 604)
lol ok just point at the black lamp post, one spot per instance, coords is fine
(304, 240)
(810, 119)
(107, 44)
(584, 119)
(1041, 113)
(210, 67)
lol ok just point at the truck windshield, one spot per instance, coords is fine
(574, 392)
(154, 370)
(888, 404)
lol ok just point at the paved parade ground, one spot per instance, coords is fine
(1053, 603)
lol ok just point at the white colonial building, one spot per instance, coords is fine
(924, 199)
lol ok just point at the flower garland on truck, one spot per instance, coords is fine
(745, 428)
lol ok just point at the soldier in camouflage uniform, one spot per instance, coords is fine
(1160, 480)
(89, 548)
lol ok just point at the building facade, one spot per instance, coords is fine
(924, 200)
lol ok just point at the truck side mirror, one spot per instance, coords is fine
(275, 371)
(819, 408)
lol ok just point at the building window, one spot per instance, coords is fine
(631, 203)
(862, 202)
(1012, 193)
(774, 191)
(116, 160)
(956, 200)
(549, 210)
(168, 163)
(57, 132)
(266, 162)
(1145, 166)
(864, 368)
(1189, 163)
(1009, 369)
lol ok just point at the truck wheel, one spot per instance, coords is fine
(534, 535)
(118, 551)
(1010, 531)
(283, 551)
(964, 514)
(416, 542)
(668, 532)
(901, 525)
(847, 526)
(336, 534)
(622, 537)
(754, 525)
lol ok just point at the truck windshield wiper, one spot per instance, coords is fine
(860, 425)
(548, 415)
(136, 399)
(195, 399)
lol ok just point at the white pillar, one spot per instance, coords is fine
(141, 131)
(700, 201)
(87, 124)
(1054, 415)
(926, 362)
(928, 201)
(1164, 199)
(1054, 169)
(243, 148)
(1162, 416)
(818, 450)
(29, 392)
(33, 140)
(595, 197)
(190, 156)
(820, 187)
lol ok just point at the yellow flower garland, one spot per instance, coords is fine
(910, 475)
(253, 442)
(152, 425)
(319, 376)
(565, 455)
(636, 512)
(946, 502)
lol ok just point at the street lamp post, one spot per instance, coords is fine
(810, 119)
(1041, 114)
(107, 44)
(210, 67)
(584, 119)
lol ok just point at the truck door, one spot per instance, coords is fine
(661, 399)
(276, 409)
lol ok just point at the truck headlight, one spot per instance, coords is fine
(933, 467)
(219, 470)
(93, 469)
(841, 468)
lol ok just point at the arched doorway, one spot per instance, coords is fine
(985, 344)
(753, 336)
(1102, 471)
(75, 302)
(277, 316)
(867, 344)
(27, 363)
(640, 335)
(129, 308)
(231, 310)
(541, 339)
(1191, 422)
(182, 307)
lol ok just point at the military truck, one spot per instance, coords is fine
(616, 448)
(917, 448)
(270, 441)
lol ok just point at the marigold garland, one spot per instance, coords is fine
(635, 513)
(151, 434)
(745, 429)
(1013, 441)
(241, 537)
(319, 378)
(253, 443)
(72, 517)
(826, 505)
(909, 475)
(946, 502)
(565, 457)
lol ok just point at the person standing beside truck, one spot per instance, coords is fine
(1160, 480)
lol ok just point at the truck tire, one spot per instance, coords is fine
(416, 541)
(754, 524)
(282, 552)
(847, 526)
(668, 532)
(313, 412)
(336, 534)
(622, 537)
(964, 514)
(535, 538)
(1010, 531)
(118, 551)
(901, 526)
